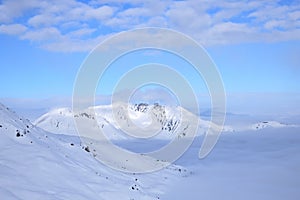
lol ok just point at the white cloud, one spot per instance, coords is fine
(100, 13)
(184, 17)
(210, 22)
(145, 14)
(66, 12)
(120, 22)
(135, 12)
(45, 34)
(82, 32)
(275, 24)
(278, 36)
(295, 15)
(270, 12)
(12, 29)
(132, 2)
(67, 44)
(156, 22)
(12, 9)
(44, 20)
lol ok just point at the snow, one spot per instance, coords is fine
(255, 158)
(57, 120)
(264, 164)
(43, 165)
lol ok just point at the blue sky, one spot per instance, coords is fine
(255, 44)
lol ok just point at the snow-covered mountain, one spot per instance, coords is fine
(36, 164)
(61, 120)
(168, 118)
(57, 121)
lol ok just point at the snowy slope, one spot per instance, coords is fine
(35, 164)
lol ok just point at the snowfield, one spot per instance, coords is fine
(47, 160)
(36, 164)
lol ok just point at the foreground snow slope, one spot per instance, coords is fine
(35, 164)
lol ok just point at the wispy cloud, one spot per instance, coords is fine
(12, 29)
(71, 25)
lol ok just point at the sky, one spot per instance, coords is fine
(255, 44)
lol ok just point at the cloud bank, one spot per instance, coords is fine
(76, 26)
